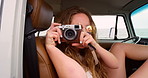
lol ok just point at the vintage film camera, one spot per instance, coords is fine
(70, 33)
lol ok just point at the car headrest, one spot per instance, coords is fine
(41, 15)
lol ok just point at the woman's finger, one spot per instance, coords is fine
(81, 37)
(54, 25)
(86, 38)
(52, 36)
(87, 42)
(49, 39)
(57, 29)
(57, 37)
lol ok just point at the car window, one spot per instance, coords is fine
(140, 21)
(121, 28)
(106, 25)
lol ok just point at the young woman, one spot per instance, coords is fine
(132, 51)
(76, 60)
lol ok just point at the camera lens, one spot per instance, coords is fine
(70, 34)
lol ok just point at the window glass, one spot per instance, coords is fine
(105, 25)
(122, 30)
(140, 21)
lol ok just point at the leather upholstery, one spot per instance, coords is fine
(41, 19)
(41, 15)
(45, 65)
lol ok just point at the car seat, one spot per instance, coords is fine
(41, 19)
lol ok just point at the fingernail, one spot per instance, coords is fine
(59, 42)
(80, 42)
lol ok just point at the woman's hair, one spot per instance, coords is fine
(83, 56)
(65, 17)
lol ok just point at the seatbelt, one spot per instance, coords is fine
(30, 59)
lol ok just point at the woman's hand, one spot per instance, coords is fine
(53, 34)
(85, 39)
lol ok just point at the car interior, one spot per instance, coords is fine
(41, 17)
(42, 14)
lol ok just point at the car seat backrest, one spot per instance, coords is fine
(41, 15)
(46, 67)
(41, 19)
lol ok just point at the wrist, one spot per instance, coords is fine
(50, 42)
(95, 44)
(49, 46)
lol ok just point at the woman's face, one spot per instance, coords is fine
(83, 20)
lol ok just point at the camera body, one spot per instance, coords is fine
(70, 33)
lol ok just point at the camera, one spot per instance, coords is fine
(70, 33)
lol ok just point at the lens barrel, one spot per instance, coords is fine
(70, 34)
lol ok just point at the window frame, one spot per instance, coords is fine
(1, 10)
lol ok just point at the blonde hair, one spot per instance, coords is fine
(83, 56)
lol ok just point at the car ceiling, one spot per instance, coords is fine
(98, 7)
